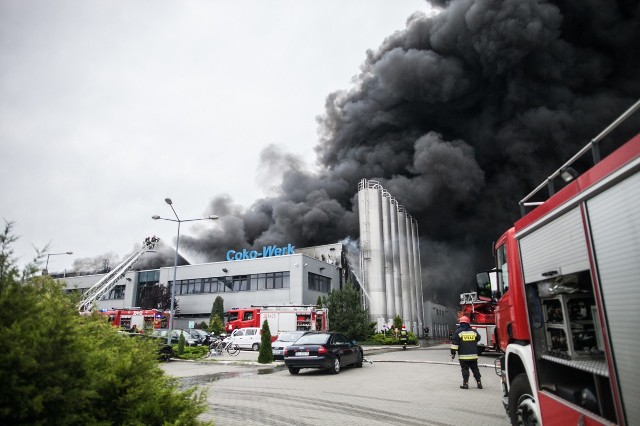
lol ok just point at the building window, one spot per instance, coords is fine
(275, 280)
(116, 293)
(151, 277)
(319, 283)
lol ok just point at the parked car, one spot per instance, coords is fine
(247, 338)
(203, 336)
(285, 339)
(165, 351)
(175, 336)
(325, 350)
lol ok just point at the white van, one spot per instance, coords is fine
(247, 338)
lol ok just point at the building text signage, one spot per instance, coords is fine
(267, 251)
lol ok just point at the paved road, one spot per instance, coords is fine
(419, 386)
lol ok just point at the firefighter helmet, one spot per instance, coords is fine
(464, 319)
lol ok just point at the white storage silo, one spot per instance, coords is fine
(411, 272)
(372, 246)
(395, 244)
(388, 254)
(418, 277)
(404, 266)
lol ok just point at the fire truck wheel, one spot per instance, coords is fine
(256, 346)
(521, 402)
(294, 370)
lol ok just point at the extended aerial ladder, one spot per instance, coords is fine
(109, 281)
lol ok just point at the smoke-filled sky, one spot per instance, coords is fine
(460, 114)
(108, 107)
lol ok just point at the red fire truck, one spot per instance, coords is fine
(479, 307)
(279, 318)
(143, 319)
(570, 288)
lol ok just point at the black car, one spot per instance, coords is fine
(325, 350)
(164, 352)
(203, 336)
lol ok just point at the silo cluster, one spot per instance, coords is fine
(389, 258)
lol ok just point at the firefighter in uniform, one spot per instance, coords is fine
(404, 336)
(465, 342)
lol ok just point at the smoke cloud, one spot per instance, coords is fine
(459, 116)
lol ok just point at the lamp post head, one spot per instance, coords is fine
(213, 217)
(69, 252)
(168, 201)
(155, 217)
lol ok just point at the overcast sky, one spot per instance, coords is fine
(108, 107)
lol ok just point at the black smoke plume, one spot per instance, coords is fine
(459, 115)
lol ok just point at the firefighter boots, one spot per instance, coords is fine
(465, 385)
(479, 384)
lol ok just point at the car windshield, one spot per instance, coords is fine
(290, 337)
(313, 339)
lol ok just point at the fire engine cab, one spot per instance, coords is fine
(570, 288)
(279, 318)
(143, 319)
(479, 307)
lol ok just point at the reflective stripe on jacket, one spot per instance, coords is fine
(465, 341)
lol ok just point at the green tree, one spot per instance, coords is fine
(319, 302)
(397, 322)
(216, 326)
(181, 344)
(217, 310)
(346, 313)
(59, 367)
(265, 356)
(157, 297)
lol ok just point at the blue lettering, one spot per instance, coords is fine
(268, 250)
(230, 254)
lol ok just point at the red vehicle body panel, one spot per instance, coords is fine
(511, 313)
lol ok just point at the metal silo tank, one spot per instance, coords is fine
(412, 282)
(404, 266)
(418, 275)
(370, 210)
(388, 254)
(395, 244)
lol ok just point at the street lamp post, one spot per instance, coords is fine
(175, 259)
(46, 268)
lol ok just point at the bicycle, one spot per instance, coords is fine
(218, 346)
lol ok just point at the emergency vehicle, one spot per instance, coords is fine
(279, 318)
(479, 307)
(570, 288)
(143, 319)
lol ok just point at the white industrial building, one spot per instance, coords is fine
(390, 276)
(297, 279)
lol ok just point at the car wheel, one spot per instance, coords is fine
(294, 370)
(165, 356)
(359, 361)
(256, 346)
(336, 366)
(521, 402)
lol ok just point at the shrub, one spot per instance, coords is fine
(62, 368)
(181, 344)
(194, 352)
(266, 352)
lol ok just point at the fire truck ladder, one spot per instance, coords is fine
(109, 281)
